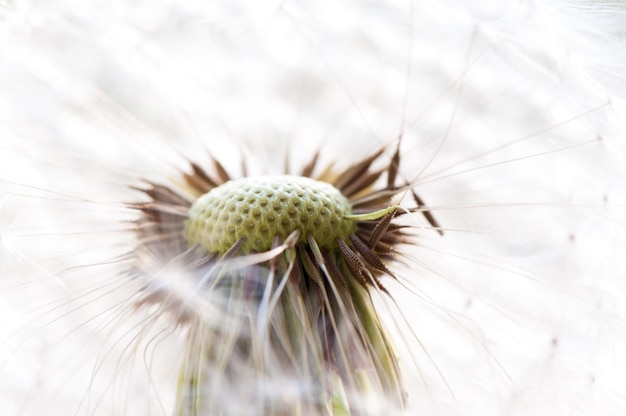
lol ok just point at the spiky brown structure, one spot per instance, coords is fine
(298, 312)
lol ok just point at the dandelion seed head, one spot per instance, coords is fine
(279, 269)
(259, 209)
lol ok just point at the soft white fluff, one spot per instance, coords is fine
(513, 127)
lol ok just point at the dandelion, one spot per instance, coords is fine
(125, 290)
(278, 272)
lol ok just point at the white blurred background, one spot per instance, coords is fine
(513, 127)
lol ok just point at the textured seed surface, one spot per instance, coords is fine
(260, 208)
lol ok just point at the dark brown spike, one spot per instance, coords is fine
(308, 169)
(373, 261)
(370, 258)
(327, 174)
(380, 229)
(353, 262)
(386, 244)
(295, 276)
(427, 214)
(323, 264)
(309, 267)
(334, 272)
(152, 209)
(394, 231)
(315, 249)
(199, 179)
(221, 171)
(161, 193)
(380, 286)
(353, 172)
(368, 226)
(392, 170)
(361, 183)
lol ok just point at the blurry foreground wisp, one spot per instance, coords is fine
(272, 276)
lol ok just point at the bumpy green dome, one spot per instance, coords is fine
(260, 208)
